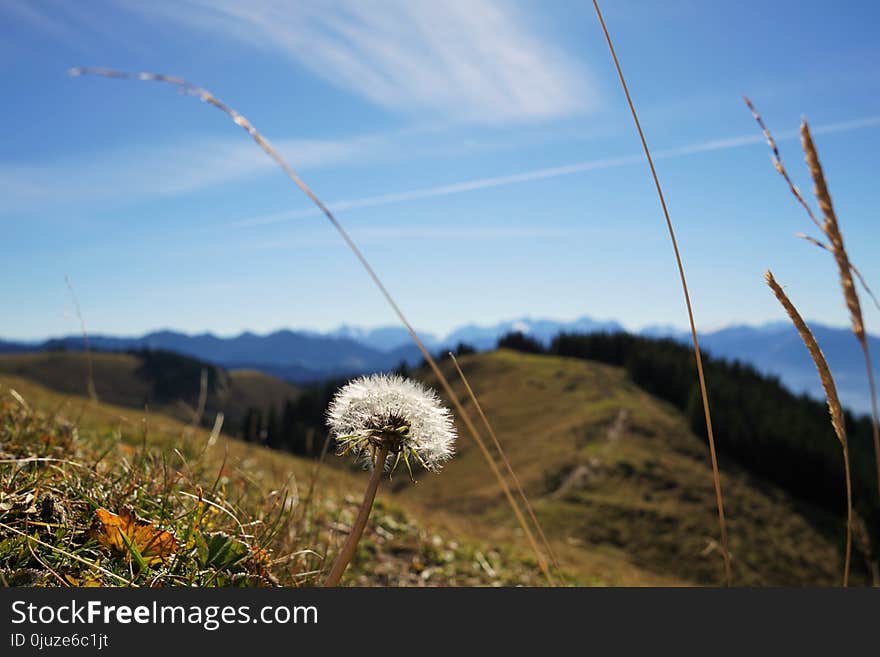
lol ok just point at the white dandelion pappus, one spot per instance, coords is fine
(403, 414)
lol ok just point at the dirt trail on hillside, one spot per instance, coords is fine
(581, 475)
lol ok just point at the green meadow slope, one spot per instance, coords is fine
(612, 470)
(124, 379)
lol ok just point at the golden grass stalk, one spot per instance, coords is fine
(862, 538)
(209, 98)
(831, 229)
(855, 271)
(506, 462)
(309, 499)
(716, 477)
(834, 408)
(90, 375)
(778, 164)
(780, 167)
(199, 411)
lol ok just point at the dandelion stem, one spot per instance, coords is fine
(357, 529)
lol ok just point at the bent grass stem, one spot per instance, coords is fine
(716, 476)
(207, 97)
(506, 462)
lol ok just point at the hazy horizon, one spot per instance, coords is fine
(74, 332)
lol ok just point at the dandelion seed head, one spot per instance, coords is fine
(407, 415)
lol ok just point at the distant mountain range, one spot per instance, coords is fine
(777, 349)
(480, 337)
(296, 356)
(302, 356)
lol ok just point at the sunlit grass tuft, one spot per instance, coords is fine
(58, 485)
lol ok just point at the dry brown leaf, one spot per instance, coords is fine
(87, 581)
(117, 532)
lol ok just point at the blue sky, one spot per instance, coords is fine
(480, 152)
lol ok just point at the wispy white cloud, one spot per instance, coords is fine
(138, 171)
(37, 17)
(73, 24)
(474, 59)
(446, 190)
(553, 172)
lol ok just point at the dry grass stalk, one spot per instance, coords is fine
(835, 410)
(702, 379)
(209, 98)
(309, 499)
(778, 164)
(780, 168)
(855, 271)
(862, 539)
(506, 462)
(90, 375)
(199, 411)
(69, 555)
(831, 229)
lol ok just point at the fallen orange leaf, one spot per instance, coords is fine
(85, 581)
(117, 532)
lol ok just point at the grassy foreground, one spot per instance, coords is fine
(196, 509)
(619, 482)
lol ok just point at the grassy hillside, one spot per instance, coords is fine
(611, 468)
(167, 383)
(621, 485)
(279, 518)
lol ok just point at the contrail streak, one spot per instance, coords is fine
(552, 172)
